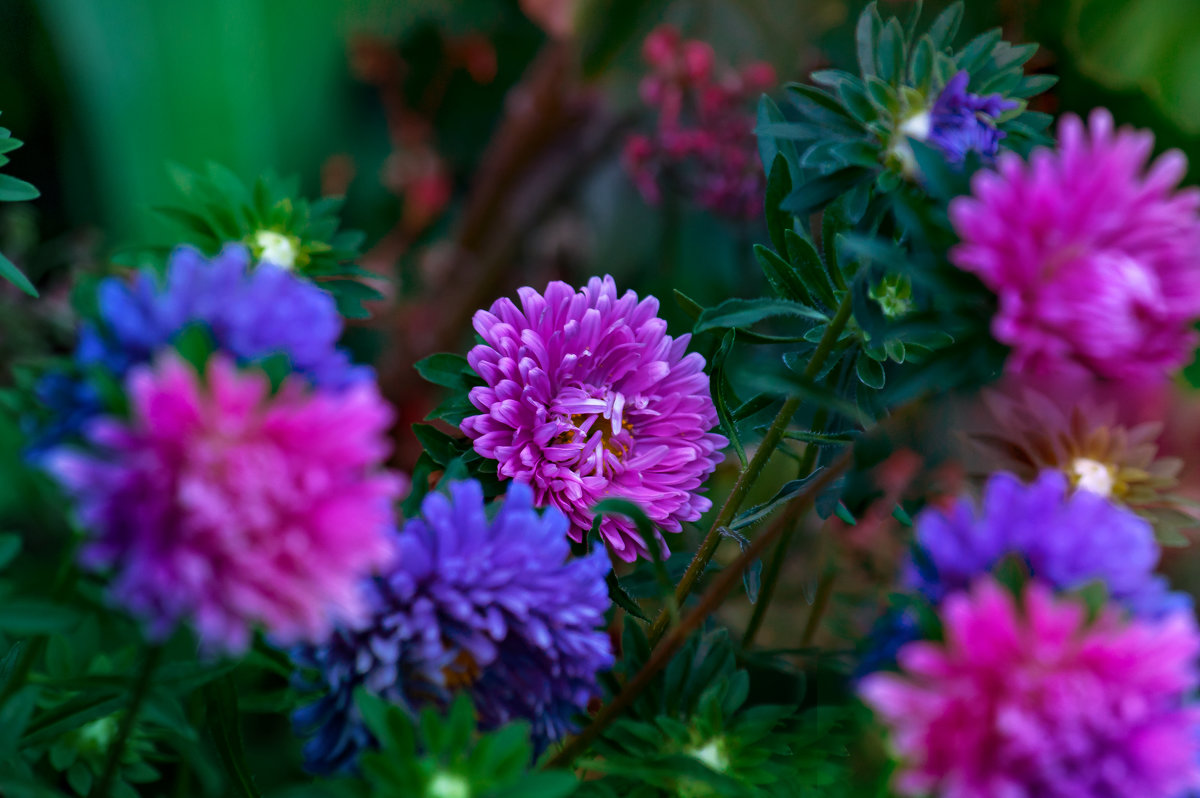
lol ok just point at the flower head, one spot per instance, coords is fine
(251, 313)
(1066, 538)
(961, 122)
(221, 503)
(1027, 699)
(491, 607)
(588, 397)
(1099, 451)
(1095, 260)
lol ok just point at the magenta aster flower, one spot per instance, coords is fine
(233, 507)
(587, 397)
(1031, 700)
(1095, 258)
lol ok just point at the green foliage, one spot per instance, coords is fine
(276, 223)
(694, 733)
(446, 757)
(14, 190)
(850, 136)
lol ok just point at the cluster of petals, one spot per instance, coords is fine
(587, 397)
(1093, 254)
(703, 140)
(1066, 537)
(496, 608)
(1027, 698)
(219, 502)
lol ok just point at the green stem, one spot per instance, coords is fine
(723, 583)
(775, 565)
(750, 473)
(117, 750)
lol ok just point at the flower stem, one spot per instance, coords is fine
(789, 519)
(753, 469)
(117, 749)
(722, 584)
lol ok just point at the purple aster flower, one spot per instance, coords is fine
(251, 312)
(495, 608)
(1067, 539)
(587, 397)
(961, 122)
(1027, 698)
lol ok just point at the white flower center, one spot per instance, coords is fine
(917, 126)
(1092, 475)
(712, 754)
(275, 248)
(449, 785)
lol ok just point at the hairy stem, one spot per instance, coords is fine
(723, 583)
(750, 473)
(117, 749)
(820, 603)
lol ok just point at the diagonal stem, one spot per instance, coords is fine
(753, 469)
(723, 583)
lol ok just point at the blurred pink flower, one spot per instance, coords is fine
(1031, 700)
(704, 136)
(224, 504)
(1095, 260)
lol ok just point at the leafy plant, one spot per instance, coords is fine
(445, 757)
(14, 190)
(276, 223)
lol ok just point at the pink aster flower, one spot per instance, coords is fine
(587, 397)
(1095, 258)
(224, 503)
(1031, 700)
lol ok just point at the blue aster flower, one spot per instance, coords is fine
(251, 312)
(492, 607)
(1067, 538)
(961, 122)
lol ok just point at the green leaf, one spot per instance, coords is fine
(815, 194)
(14, 190)
(443, 448)
(870, 372)
(785, 494)
(195, 344)
(870, 24)
(811, 269)
(11, 273)
(689, 306)
(72, 714)
(448, 370)
(739, 313)
(31, 616)
(721, 393)
(779, 185)
(783, 278)
(945, 27)
(622, 599)
(224, 728)
(890, 56)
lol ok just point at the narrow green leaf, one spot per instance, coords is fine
(739, 313)
(815, 194)
(10, 547)
(11, 273)
(865, 35)
(945, 27)
(14, 190)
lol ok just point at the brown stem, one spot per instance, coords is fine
(723, 583)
